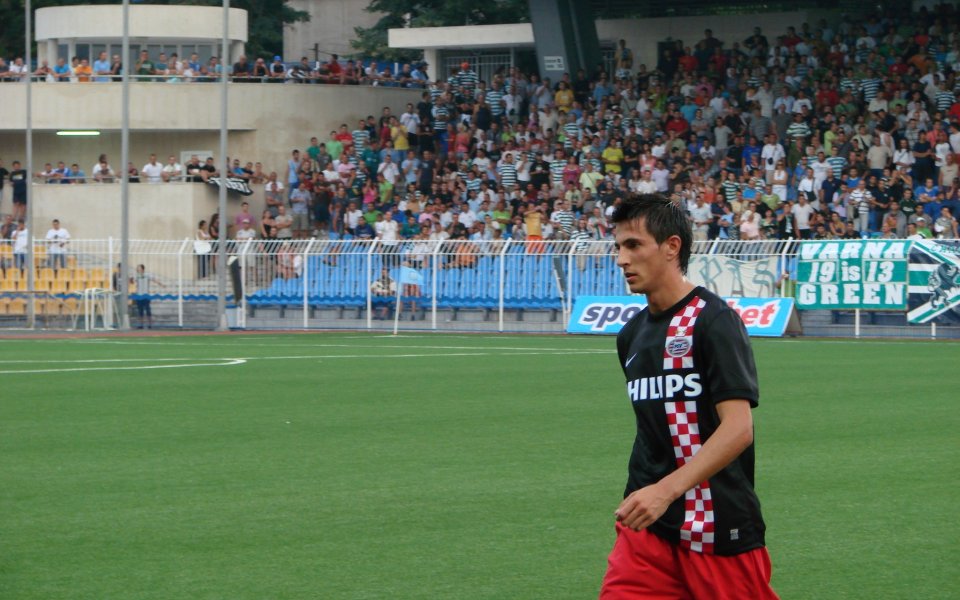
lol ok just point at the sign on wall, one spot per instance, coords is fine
(868, 274)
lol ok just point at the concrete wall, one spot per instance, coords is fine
(641, 35)
(147, 22)
(330, 27)
(266, 122)
(162, 211)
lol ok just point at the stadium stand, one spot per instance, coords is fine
(845, 129)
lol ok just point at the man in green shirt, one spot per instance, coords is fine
(145, 66)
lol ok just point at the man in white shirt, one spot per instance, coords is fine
(771, 153)
(172, 171)
(802, 211)
(388, 169)
(351, 217)
(152, 171)
(646, 185)
(21, 244)
(700, 217)
(807, 188)
(57, 240)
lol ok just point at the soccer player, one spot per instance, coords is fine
(689, 525)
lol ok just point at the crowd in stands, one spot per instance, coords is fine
(173, 69)
(837, 130)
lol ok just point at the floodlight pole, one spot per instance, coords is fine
(28, 163)
(124, 279)
(222, 199)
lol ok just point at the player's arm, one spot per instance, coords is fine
(734, 434)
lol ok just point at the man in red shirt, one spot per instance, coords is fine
(688, 62)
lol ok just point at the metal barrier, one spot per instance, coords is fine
(353, 283)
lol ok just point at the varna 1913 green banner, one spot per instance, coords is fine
(849, 274)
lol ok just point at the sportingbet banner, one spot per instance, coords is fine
(849, 274)
(763, 317)
(934, 292)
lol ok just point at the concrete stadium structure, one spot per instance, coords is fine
(265, 121)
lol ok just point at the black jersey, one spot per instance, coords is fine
(678, 365)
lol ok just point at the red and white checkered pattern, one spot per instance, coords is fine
(681, 326)
(697, 532)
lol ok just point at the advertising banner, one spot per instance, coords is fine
(756, 277)
(934, 292)
(851, 274)
(763, 317)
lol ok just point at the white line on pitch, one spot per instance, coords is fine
(354, 346)
(230, 362)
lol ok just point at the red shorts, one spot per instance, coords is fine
(642, 565)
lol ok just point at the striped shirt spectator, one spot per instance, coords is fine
(730, 188)
(571, 131)
(556, 170)
(869, 87)
(798, 130)
(508, 173)
(837, 165)
(945, 100)
(467, 78)
(441, 115)
(849, 84)
(494, 100)
(361, 137)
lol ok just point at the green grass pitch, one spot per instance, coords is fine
(438, 466)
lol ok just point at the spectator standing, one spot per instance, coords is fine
(142, 280)
(153, 171)
(58, 239)
(21, 245)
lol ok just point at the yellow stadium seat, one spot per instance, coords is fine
(9, 285)
(45, 273)
(6, 251)
(58, 286)
(71, 306)
(79, 274)
(97, 274)
(71, 262)
(13, 274)
(17, 306)
(48, 307)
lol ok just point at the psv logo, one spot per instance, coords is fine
(678, 346)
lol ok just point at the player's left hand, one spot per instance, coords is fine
(643, 507)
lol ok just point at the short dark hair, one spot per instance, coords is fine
(662, 217)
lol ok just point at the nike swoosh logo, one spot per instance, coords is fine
(629, 360)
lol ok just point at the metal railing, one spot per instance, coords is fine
(289, 76)
(359, 281)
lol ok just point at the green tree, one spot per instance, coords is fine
(372, 41)
(266, 19)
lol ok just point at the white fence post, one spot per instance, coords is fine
(434, 263)
(306, 287)
(183, 249)
(369, 282)
(503, 284)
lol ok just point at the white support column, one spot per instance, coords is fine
(180, 254)
(305, 275)
(434, 263)
(503, 283)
